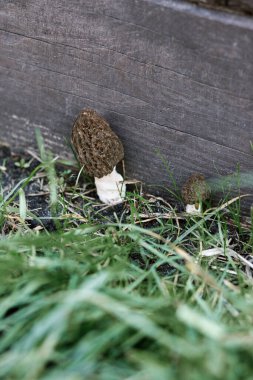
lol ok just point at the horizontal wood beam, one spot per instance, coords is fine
(169, 77)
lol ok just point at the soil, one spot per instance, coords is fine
(243, 7)
(13, 173)
(15, 168)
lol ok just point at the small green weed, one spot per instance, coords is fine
(138, 291)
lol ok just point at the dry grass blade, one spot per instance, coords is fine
(226, 251)
(228, 203)
(88, 297)
(192, 266)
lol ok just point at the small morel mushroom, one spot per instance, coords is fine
(194, 192)
(99, 150)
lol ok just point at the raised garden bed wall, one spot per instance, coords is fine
(172, 78)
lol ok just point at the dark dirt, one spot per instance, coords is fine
(37, 192)
(242, 7)
(12, 173)
(13, 170)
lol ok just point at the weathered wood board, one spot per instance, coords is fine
(169, 76)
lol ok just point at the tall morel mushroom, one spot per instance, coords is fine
(194, 192)
(99, 150)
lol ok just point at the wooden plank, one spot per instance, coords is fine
(173, 106)
(208, 158)
(165, 74)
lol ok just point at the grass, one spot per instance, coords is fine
(90, 299)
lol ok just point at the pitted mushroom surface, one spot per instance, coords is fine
(99, 150)
(194, 192)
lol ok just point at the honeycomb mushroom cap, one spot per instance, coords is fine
(195, 189)
(97, 147)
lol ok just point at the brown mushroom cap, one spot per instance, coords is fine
(195, 189)
(97, 147)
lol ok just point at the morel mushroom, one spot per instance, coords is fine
(99, 150)
(194, 192)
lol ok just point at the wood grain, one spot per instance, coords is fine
(168, 76)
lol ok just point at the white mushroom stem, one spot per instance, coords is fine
(191, 209)
(111, 188)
